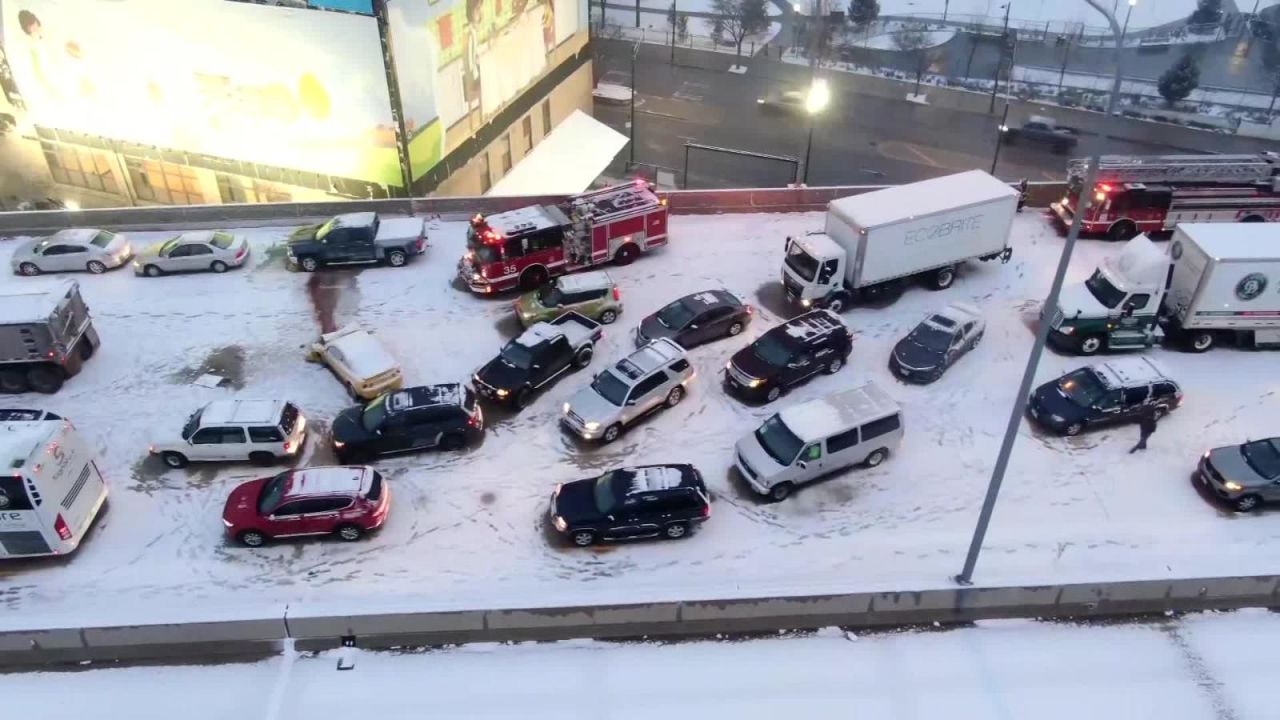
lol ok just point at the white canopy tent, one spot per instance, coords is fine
(567, 161)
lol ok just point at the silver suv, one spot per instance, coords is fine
(653, 377)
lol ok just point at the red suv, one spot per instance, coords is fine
(346, 501)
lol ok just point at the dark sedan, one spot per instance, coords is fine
(937, 342)
(696, 319)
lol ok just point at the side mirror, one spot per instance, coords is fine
(1127, 311)
(803, 465)
(631, 402)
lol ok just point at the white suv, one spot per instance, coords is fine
(261, 431)
(653, 377)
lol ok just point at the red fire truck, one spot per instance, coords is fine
(523, 248)
(1153, 193)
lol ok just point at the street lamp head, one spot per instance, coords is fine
(1133, 3)
(818, 97)
(796, 7)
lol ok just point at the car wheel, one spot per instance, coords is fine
(85, 349)
(29, 269)
(735, 328)
(1159, 411)
(397, 258)
(533, 278)
(834, 366)
(611, 433)
(781, 491)
(152, 271)
(583, 538)
(45, 379)
(261, 458)
(943, 278)
(1122, 230)
(1073, 429)
(836, 304)
(583, 357)
(218, 266)
(626, 254)
(876, 457)
(675, 531)
(174, 460)
(1091, 345)
(452, 441)
(774, 393)
(1200, 342)
(252, 538)
(349, 533)
(12, 382)
(607, 317)
(675, 396)
(1247, 503)
(96, 267)
(308, 264)
(523, 397)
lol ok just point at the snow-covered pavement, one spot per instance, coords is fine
(467, 529)
(1202, 667)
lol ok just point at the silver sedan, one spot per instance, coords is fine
(214, 251)
(87, 249)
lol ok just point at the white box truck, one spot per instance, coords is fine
(1217, 282)
(876, 241)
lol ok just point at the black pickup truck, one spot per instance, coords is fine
(360, 237)
(541, 354)
(1044, 131)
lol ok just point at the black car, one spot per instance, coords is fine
(789, 355)
(698, 318)
(361, 237)
(429, 416)
(1114, 392)
(538, 356)
(937, 342)
(629, 503)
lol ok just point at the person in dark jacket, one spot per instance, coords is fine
(1146, 426)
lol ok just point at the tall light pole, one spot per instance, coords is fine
(634, 52)
(1042, 333)
(795, 25)
(946, 8)
(1004, 41)
(814, 103)
(1127, 15)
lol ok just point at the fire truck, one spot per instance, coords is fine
(1153, 193)
(523, 248)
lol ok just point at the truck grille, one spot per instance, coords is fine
(791, 286)
(575, 419)
(746, 467)
(741, 377)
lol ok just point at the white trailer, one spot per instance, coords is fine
(876, 241)
(1225, 285)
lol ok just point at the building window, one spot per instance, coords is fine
(526, 126)
(485, 181)
(240, 189)
(163, 182)
(546, 117)
(506, 154)
(81, 167)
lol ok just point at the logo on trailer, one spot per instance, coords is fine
(1251, 286)
(1176, 250)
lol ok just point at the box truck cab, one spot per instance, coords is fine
(50, 487)
(874, 242)
(1117, 307)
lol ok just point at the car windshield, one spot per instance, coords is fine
(326, 228)
(608, 386)
(675, 316)
(801, 262)
(1102, 289)
(374, 413)
(1082, 387)
(778, 440)
(193, 424)
(605, 498)
(169, 245)
(929, 337)
(549, 295)
(771, 349)
(517, 355)
(272, 493)
(222, 240)
(1264, 457)
(102, 239)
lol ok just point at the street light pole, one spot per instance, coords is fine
(808, 148)
(1124, 30)
(675, 24)
(817, 99)
(1042, 333)
(634, 53)
(1001, 129)
(1004, 40)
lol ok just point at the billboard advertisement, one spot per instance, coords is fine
(454, 58)
(288, 87)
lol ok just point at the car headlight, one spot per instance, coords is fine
(755, 382)
(1067, 330)
(559, 523)
(1057, 418)
(137, 264)
(476, 277)
(806, 302)
(502, 393)
(1205, 455)
(592, 425)
(1233, 486)
(339, 444)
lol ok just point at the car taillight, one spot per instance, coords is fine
(706, 511)
(422, 242)
(288, 445)
(473, 421)
(60, 527)
(243, 250)
(617, 294)
(750, 309)
(1179, 402)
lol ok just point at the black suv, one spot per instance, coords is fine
(1113, 392)
(429, 416)
(696, 319)
(789, 355)
(635, 502)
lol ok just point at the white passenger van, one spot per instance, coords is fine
(860, 425)
(50, 487)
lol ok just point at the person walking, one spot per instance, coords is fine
(1146, 426)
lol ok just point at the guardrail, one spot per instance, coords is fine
(198, 216)
(317, 631)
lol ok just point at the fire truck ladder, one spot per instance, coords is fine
(1241, 169)
(601, 205)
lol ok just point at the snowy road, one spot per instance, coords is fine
(1201, 667)
(467, 529)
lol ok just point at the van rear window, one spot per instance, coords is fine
(375, 488)
(13, 496)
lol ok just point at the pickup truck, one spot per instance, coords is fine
(540, 355)
(357, 238)
(1045, 131)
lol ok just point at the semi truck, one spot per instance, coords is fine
(1214, 284)
(875, 242)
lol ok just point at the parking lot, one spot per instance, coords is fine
(467, 529)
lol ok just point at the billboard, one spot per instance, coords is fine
(289, 87)
(454, 58)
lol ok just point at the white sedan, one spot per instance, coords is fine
(95, 251)
(199, 251)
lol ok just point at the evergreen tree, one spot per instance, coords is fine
(1178, 81)
(863, 12)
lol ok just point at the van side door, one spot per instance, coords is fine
(811, 462)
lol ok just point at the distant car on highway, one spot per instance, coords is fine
(1044, 131)
(785, 101)
(343, 501)
(1246, 476)
(629, 503)
(73, 250)
(614, 87)
(212, 251)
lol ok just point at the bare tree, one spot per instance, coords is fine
(741, 18)
(913, 39)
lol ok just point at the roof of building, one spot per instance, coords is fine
(592, 280)
(246, 412)
(920, 199)
(334, 480)
(19, 439)
(819, 418)
(33, 304)
(1125, 372)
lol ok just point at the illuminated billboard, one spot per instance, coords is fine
(288, 87)
(454, 58)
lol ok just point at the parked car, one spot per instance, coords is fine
(1113, 392)
(417, 418)
(346, 501)
(649, 379)
(92, 250)
(361, 237)
(861, 425)
(590, 294)
(937, 342)
(696, 319)
(214, 251)
(1247, 476)
(260, 431)
(637, 502)
(789, 355)
(536, 358)
(360, 363)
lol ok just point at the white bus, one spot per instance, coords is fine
(50, 487)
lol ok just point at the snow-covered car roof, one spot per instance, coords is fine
(220, 412)
(82, 236)
(817, 419)
(198, 236)
(365, 356)
(957, 313)
(356, 219)
(19, 439)
(1125, 372)
(648, 358)
(593, 280)
(811, 325)
(655, 477)
(818, 245)
(526, 219)
(341, 479)
(423, 395)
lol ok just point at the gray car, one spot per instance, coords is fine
(649, 379)
(72, 250)
(1245, 475)
(201, 251)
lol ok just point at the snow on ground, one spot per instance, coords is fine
(655, 29)
(468, 529)
(885, 35)
(1193, 668)
(1145, 14)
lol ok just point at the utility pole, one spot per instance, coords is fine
(637, 13)
(946, 7)
(1124, 30)
(1004, 43)
(634, 52)
(675, 24)
(393, 92)
(1000, 131)
(1066, 55)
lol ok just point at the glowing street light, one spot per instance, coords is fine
(815, 101)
